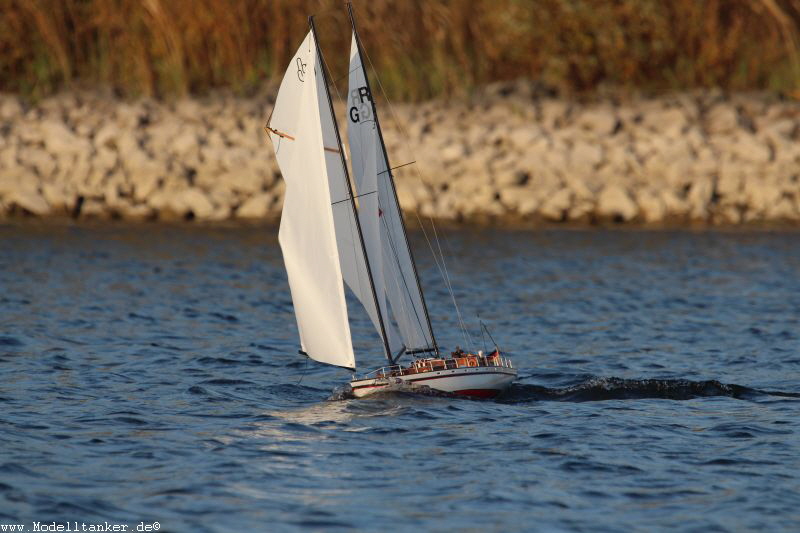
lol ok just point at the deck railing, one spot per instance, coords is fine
(431, 365)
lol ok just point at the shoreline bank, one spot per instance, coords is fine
(506, 157)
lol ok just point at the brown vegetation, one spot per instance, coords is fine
(420, 48)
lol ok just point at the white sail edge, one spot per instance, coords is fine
(307, 234)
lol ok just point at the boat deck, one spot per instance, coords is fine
(420, 366)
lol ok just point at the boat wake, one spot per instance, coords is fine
(345, 392)
(595, 390)
(601, 389)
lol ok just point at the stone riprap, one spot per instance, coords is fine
(506, 155)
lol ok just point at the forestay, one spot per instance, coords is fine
(378, 208)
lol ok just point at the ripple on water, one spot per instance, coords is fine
(153, 375)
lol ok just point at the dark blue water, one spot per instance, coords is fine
(150, 374)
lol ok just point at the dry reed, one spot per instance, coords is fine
(420, 48)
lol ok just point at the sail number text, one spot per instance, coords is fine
(361, 109)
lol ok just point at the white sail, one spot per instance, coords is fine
(371, 173)
(307, 233)
(351, 254)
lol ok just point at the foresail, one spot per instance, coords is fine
(307, 233)
(351, 254)
(378, 209)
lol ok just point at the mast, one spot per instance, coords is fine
(351, 196)
(391, 181)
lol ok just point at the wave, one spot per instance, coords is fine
(612, 388)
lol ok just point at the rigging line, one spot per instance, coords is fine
(452, 293)
(356, 196)
(333, 82)
(402, 276)
(441, 272)
(483, 338)
(404, 135)
(398, 166)
(492, 338)
(450, 251)
(346, 75)
(305, 369)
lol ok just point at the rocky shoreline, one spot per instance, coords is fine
(505, 156)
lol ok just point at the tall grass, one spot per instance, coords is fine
(420, 48)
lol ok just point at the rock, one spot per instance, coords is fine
(555, 207)
(145, 183)
(581, 209)
(650, 205)
(107, 135)
(222, 212)
(721, 118)
(38, 160)
(185, 142)
(669, 122)
(104, 160)
(522, 137)
(57, 197)
(406, 196)
(452, 151)
(760, 196)
(188, 109)
(601, 120)
(699, 198)
(554, 113)
(527, 204)
(674, 205)
(8, 158)
(256, 206)
(59, 139)
(193, 201)
(10, 182)
(784, 210)
(10, 108)
(132, 211)
(30, 201)
(585, 155)
(244, 180)
(692, 156)
(93, 208)
(615, 203)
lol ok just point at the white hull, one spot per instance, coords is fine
(481, 382)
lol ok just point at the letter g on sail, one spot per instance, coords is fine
(301, 69)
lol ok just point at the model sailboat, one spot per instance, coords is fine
(327, 236)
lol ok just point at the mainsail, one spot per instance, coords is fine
(321, 239)
(379, 207)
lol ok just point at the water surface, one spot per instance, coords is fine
(150, 373)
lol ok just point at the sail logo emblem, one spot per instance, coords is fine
(361, 110)
(301, 69)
